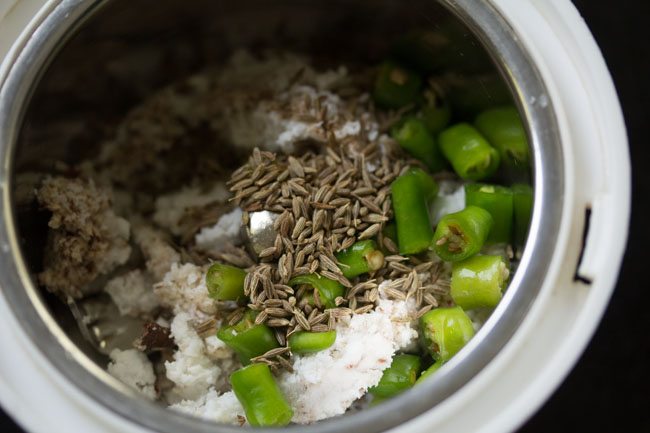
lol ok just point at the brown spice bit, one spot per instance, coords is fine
(154, 337)
(281, 336)
(271, 353)
(429, 299)
(329, 264)
(422, 311)
(301, 319)
(364, 309)
(285, 364)
(267, 252)
(261, 318)
(424, 267)
(295, 168)
(276, 323)
(390, 245)
(81, 247)
(320, 328)
(395, 294)
(399, 267)
(370, 231)
(235, 316)
(317, 318)
(277, 312)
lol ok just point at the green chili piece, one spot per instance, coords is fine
(225, 283)
(468, 151)
(361, 258)
(421, 49)
(377, 400)
(504, 130)
(247, 339)
(414, 229)
(400, 376)
(462, 234)
(429, 371)
(478, 281)
(435, 118)
(302, 342)
(328, 290)
(430, 187)
(473, 94)
(445, 331)
(396, 86)
(522, 196)
(498, 201)
(390, 231)
(414, 137)
(260, 396)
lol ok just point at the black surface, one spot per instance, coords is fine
(608, 389)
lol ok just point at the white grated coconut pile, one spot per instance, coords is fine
(323, 384)
(158, 253)
(132, 368)
(170, 208)
(222, 408)
(226, 230)
(132, 293)
(326, 383)
(183, 290)
(192, 371)
(450, 199)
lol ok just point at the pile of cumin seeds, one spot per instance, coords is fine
(325, 202)
(427, 281)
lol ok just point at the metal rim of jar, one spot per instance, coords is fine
(29, 62)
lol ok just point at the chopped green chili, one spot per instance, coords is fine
(445, 331)
(377, 400)
(503, 129)
(361, 258)
(225, 282)
(462, 234)
(478, 281)
(302, 342)
(396, 86)
(421, 49)
(390, 231)
(414, 229)
(328, 290)
(523, 208)
(247, 339)
(260, 396)
(400, 376)
(497, 200)
(414, 137)
(429, 185)
(429, 371)
(472, 94)
(468, 151)
(435, 118)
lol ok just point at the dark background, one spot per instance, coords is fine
(609, 388)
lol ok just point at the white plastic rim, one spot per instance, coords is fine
(561, 321)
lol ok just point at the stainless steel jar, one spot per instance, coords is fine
(59, 70)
